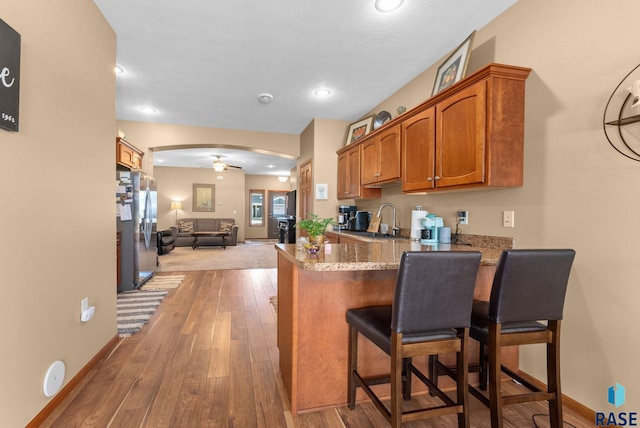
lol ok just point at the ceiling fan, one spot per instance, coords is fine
(220, 166)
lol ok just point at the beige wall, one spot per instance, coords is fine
(319, 141)
(57, 178)
(329, 137)
(578, 191)
(149, 136)
(176, 184)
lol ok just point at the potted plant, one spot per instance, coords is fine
(314, 227)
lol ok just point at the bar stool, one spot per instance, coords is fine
(430, 314)
(529, 287)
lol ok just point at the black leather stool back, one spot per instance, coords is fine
(433, 291)
(530, 285)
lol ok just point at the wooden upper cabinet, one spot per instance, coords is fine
(418, 151)
(470, 135)
(349, 186)
(460, 138)
(128, 155)
(380, 158)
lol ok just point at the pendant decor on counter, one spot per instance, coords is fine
(9, 77)
(621, 118)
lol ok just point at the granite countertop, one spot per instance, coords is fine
(382, 255)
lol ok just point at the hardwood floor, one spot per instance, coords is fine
(208, 358)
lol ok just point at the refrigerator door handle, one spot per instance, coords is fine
(146, 221)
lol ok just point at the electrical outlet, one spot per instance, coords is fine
(463, 217)
(508, 219)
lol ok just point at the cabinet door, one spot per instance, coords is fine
(136, 161)
(349, 174)
(124, 155)
(418, 145)
(369, 168)
(353, 175)
(349, 186)
(460, 137)
(389, 154)
(343, 175)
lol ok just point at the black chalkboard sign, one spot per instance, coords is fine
(9, 77)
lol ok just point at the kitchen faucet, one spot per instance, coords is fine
(394, 227)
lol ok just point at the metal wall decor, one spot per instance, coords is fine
(9, 77)
(621, 120)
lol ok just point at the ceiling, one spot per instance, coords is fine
(204, 63)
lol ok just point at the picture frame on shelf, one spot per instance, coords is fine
(454, 68)
(359, 129)
(204, 198)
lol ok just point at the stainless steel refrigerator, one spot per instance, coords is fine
(137, 223)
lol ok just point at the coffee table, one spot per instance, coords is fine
(197, 235)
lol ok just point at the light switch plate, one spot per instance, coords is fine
(508, 219)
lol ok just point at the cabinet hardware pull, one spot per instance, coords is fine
(429, 179)
(437, 178)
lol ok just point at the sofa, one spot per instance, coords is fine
(187, 225)
(167, 240)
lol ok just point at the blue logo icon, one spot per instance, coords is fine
(616, 395)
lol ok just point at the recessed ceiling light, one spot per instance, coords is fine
(147, 109)
(265, 98)
(322, 92)
(388, 5)
(119, 69)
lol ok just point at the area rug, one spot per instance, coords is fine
(163, 282)
(242, 256)
(135, 308)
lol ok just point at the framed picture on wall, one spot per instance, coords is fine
(359, 129)
(204, 198)
(455, 67)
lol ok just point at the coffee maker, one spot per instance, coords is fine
(345, 214)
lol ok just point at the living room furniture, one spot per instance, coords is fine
(166, 240)
(430, 314)
(187, 226)
(197, 236)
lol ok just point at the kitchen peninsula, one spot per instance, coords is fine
(314, 292)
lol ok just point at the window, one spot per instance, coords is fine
(256, 207)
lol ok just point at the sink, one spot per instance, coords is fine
(373, 235)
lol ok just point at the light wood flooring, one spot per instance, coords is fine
(208, 358)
